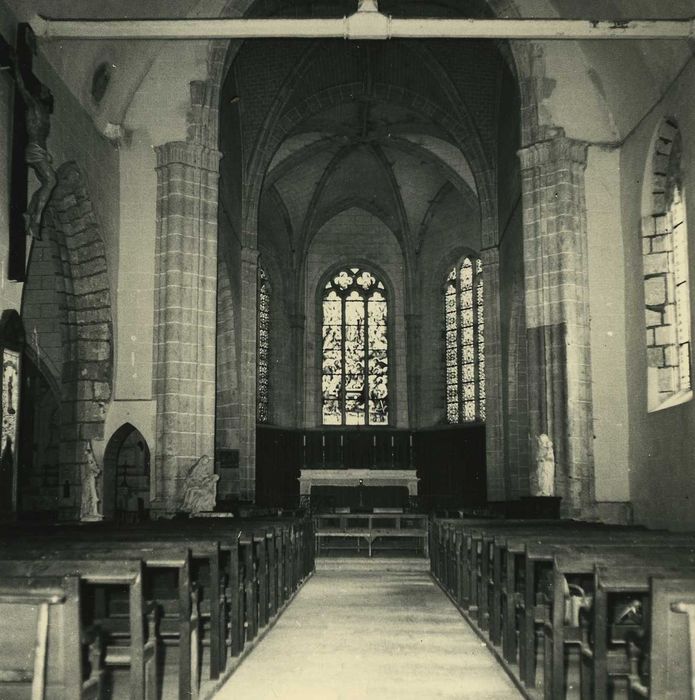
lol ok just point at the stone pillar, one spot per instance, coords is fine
(247, 375)
(185, 310)
(297, 331)
(413, 324)
(557, 314)
(494, 427)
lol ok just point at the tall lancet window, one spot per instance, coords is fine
(355, 349)
(464, 342)
(666, 279)
(262, 379)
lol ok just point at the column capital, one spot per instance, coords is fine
(558, 148)
(413, 320)
(186, 153)
(297, 321)
(490, 256)
(249, 255)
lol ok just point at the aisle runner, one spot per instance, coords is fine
(372, 630)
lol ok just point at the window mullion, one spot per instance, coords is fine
(343, 334)
(476, 341)
(365, 388)
(459, 343)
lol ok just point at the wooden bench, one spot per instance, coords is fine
(240, 573)
(40, 636)
(519, 579)
(140, 654)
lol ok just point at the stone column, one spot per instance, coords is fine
(557, 313)
(185, 310)
(413, 324)
(297, 330)
(247, 375)
(494, 428)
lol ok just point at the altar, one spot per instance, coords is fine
(359, 488)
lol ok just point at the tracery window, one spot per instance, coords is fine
(666, 279)
(464, 342)
(355, 349)
(263, 345)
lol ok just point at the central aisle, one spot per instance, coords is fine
(378, 629)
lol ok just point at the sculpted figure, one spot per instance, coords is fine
(199, 487)
(38, 105)
(89, 509)
(543, 479)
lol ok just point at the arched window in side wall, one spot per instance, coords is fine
(263, 348)
(666, 278)
(355, 378)
(464, 324)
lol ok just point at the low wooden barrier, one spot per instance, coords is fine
(372, 527)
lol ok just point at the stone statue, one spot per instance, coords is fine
(543, 478)
(38, 105)
(89, 508)
(199, 487)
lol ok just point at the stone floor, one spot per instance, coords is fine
(370, 629)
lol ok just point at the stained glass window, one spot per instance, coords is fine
(262, 365)
(464, 344)
(354, 382)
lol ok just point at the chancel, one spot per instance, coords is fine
(356, 333)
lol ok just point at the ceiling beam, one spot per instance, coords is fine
(364, 24)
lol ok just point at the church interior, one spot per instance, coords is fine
(327, 307)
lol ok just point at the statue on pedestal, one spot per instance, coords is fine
(542, 482)
(89, 507)
(200, 487)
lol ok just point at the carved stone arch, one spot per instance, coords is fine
(71, 226)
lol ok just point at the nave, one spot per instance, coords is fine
(223, 607)
(377, 628)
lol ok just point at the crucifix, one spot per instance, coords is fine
(33, 106)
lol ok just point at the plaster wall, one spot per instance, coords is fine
(156, 115)
(662, 443)
(607, 304)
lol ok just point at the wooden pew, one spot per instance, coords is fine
(651, 655)
(571, 562)
(141, 654)
(58, 639)
(481, 561)
(672, 638)
(280, 556)
(204, 549)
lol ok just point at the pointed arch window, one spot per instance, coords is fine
(464, 342)
(263, 345)
(666, 278)
(355, 363)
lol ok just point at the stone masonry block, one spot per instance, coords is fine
(655, 357)
(655, 290)
(653, 318)
(664, 335)
(667, 379)
(655, 263)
